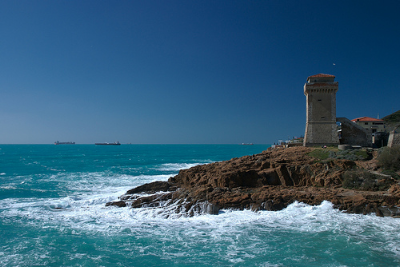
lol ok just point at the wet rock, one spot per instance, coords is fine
(116, 203)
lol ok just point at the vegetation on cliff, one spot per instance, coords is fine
(392, 120)
(366, 181)
(389, 161)
(334, 153)
(389, 158)
(358, 178)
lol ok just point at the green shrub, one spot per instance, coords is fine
(389, 158)
(362, 154)
(320, 154)
(323, 154)
(366, 181)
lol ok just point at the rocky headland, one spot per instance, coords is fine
(270, 180)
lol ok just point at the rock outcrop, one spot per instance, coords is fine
(267, 181)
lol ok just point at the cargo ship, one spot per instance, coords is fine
(64, 143)
(108, 144)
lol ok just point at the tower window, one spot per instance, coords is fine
(319, 100)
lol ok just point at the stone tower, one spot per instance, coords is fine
(320, 91)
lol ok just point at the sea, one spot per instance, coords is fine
(53, 213)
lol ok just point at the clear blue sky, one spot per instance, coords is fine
(189, 71)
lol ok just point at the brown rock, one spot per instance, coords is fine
(267, 181)
(150, 188)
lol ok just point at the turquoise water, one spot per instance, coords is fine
(52, 212)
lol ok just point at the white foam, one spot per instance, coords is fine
(8, 187)
(177, 166)
(99, 182)
(86, 212)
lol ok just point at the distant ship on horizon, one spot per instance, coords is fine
(108, 144)
(64, 143)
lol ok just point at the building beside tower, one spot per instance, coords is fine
(321, 128)
(371, 124)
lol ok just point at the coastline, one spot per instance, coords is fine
(271, 180)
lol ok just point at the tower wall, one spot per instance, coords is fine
(321, 129)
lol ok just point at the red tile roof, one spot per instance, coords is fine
(366, 119)
(321, 75)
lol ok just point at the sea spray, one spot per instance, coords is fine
(59, 218)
